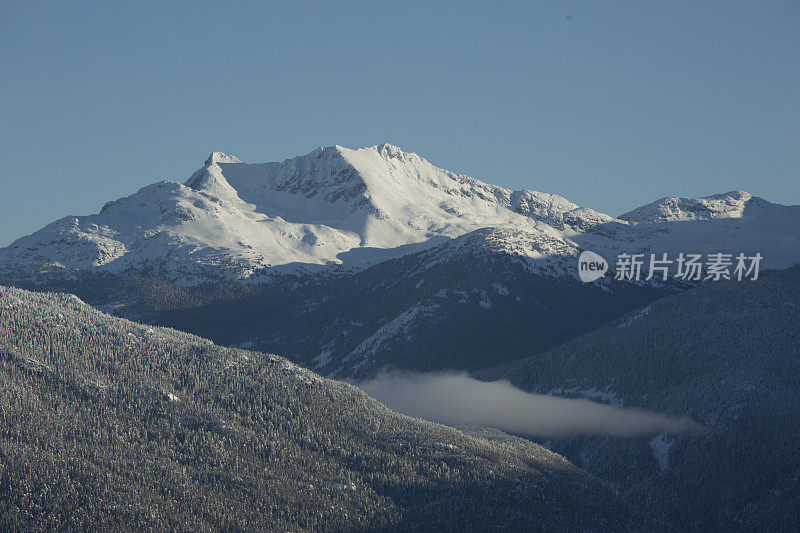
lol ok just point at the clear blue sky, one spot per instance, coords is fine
(611, 104)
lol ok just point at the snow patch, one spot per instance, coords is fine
(322, 359)
(499, 289)
(395, 328)
(660, 446)
(630, 320)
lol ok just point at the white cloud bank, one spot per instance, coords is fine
(458, 399)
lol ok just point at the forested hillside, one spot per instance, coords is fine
(107, 423)
(728, 355)
(431, 310)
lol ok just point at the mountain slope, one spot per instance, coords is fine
(681, 209)
(336, 206)
(475, 301)
(729, 355)
(464, 304)
(110, 424)
(232, 219)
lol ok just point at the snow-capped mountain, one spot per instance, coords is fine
(678, 208)
(337, 206)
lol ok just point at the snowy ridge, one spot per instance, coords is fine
(374, 344)
(547, 253)
(555, 210)
(352, 208)
(728, 205)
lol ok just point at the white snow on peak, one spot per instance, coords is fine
(556, 210)
(383, 196)
(219, 157)
(678, 208)
(338, 206)
(390, 150)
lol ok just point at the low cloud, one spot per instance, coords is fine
(458, 399)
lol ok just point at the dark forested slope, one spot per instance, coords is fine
(451, 307)
(728, 355)
(108, 423)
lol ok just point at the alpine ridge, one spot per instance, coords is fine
(342, 208)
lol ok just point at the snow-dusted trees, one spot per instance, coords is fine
(106, 423)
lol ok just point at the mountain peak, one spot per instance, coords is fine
(219, 157)
(682, 208)
(314, 209)
(323, 152)
(731, 196)
(389, 150)
(210, 176)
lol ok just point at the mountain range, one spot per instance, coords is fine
(339, 208)
(349, 262)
